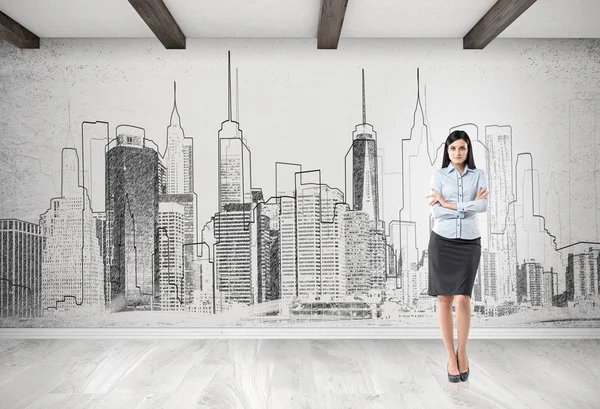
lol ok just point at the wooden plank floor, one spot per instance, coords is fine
(281, 374)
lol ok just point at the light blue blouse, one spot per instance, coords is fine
(462, 190)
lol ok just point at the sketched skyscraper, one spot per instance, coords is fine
(364, 242)
(529, 283)
(365, 189)
(132, 189)
(171, 236)
(550, 283)
(582, 275)
(418, 159)
(356, 235)
(487, 277)
(501, 211)
(285, 188)
(179, 155)
(320, 242)
(263, 245)
(179, 160)
(235, 227)
(72, 269)
(234, 160)
(20, 269)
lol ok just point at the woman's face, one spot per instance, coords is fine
(457, 152)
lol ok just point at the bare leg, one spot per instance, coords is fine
(447, 327)
(463, 324)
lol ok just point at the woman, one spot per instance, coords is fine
(459, 192)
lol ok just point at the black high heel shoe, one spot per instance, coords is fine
(453, 378)
(463, 375)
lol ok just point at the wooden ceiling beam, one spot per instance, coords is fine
(16, 34)
(330, 23)
(161, 22)
(495, 21)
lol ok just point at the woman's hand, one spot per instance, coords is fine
(482, 193)
(436, 197)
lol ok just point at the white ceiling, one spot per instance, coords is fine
(299, 18)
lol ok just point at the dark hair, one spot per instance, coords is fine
(453, 137)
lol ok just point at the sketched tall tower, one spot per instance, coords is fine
(234, 160)
(179, 160)
(365, 250)
(179, 154)
(501, 217)
(418, 159)
(365, 180)
(132, 189)
(72, 271)
(235, 231)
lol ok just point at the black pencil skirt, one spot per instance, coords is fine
(453, 265)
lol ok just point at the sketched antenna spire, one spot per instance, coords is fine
(229, 83)
(175, 112)
(364, 104)
(237, 97)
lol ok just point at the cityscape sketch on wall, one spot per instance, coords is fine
(313, 254)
